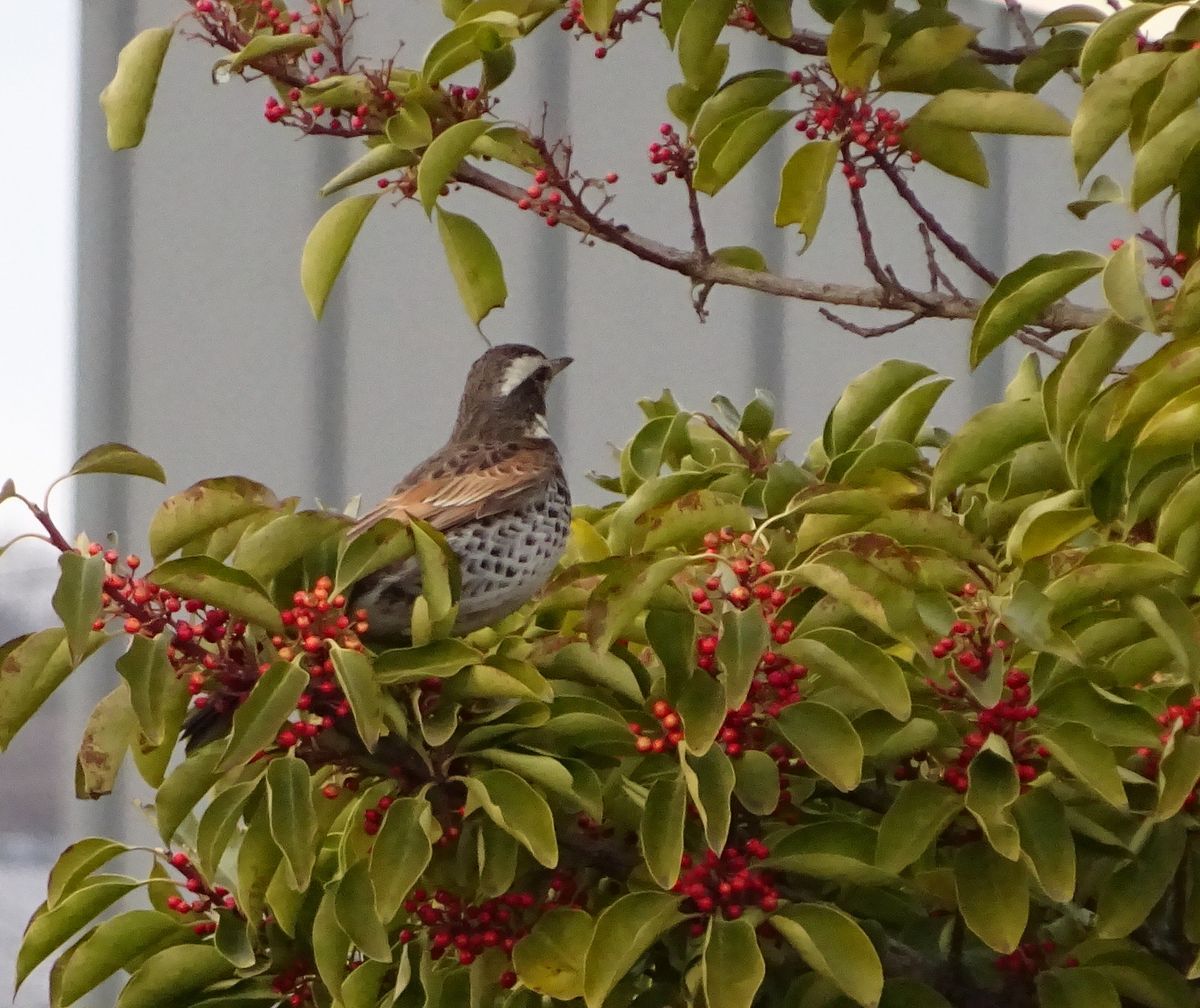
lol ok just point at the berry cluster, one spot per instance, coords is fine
(542, 198)
(865, 132)
(1005, 718)
(1029, 959)
(726, 883)
(671, 154)
(208, 897)
(294, 984)
(573, 21)
(1188, 717)
(670, 724)
(468, 929)
(314, 623)
(1177, 262)
(148, 608)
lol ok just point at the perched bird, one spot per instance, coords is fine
(495, 490)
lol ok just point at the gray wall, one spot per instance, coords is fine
(195, 344)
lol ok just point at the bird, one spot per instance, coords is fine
(495, 490)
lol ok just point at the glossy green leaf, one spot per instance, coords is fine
(1133, 890)
(985, 439)
(1081, 987)
(866, 399)
(624, 930)
(826, 740)
(994, 112)
(710, 783)
(356, 677)
(266, 551)
(400, 854)
(1180, 89)
(261, 715)
(550, 959)
(150, 679)
(1091, 762)
(661, 831)
(916, 818)
(1023, 295)
(129, 96)
(1105, 46)
(754, 90)
(803, 182)
(376, 161)
(474, 264)
(597, 14)
(856, 43)
(356, 913)
(622, 596)
(993, 895)
(202, 577)
(1179, 770)
(697, 36)
(731, 967)
(443, 156)
(719, 162)
(518, 809)
(1157, 165)
(292, 817)
(744, 638)
(173, 976)
(410, 128)
(955, 151)
(1060, 52)
(112, 946)
(855, 663)
(118, 459)
(384, 542)
(992, 787)
(328, 245)
(832, 943)
(76, 598)
(202, 509)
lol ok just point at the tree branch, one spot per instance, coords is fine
(1061, 317)
(808, 43)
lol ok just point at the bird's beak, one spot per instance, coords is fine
(558, 364)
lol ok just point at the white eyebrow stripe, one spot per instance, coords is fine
(517, 371)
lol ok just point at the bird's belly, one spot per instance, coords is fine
(505, 559)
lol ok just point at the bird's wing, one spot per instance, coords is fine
(447, 499)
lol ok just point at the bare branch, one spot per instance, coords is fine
(870, 332)
(1061, 317)
(808, 43)
(1023, 29)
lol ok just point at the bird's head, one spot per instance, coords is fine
(505, 395)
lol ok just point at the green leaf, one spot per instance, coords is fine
(1071, 14)
(624, 930)
(355, 905)
(954, 151)
(357, 680)
(1088, 760)
(518, 809)
(856, 663)
(76, 863)
(701, 705)
(697, 38)
(661, 831)
(856, 43)
(1080, 987)
(741, 256)
(731, 967)
(184, 787)
(202, 577)
(985, 439)
(106, 738)
(1061, 52)
(119, 459)
(474, 263)
(1091, 357)
(993, 895)
(438, 659)
(328, 245)
(170, 976)
(261, 715)
(834, 945)
(377, 160)
(624, 594)
(744, 638)
(775, 16)
(1047, 842)
(1105, 111)
(549, 960)
(217, 824)
(292, 818)
(203, 508)
(991, 790)
(400, 854)
(1158, 163)
(150, 678)
(1178, 772)
(266, 551)
(914, 820)
(994, 112)
(381, 544)
(577, 662)
(722, 157)
(112, 946)
(1023, 295)
(129, 96)
(48, 929)
(1102, 192)
(1105, 46)
(1124, 287)
(266, 45)
(710, 782)
(866, 399)
(1134, 889)
(466, 43)
(1048, 524)
(1180, 89)
(443, 156)
(826, 740)
(803, 182)
(77, 598)
(598, 14)
(756, 782)
(913, 56)
(754, 90)
(331, 944)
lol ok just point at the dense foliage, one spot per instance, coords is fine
(917, 714)
(912, 720)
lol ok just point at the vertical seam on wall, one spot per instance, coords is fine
(330, 347)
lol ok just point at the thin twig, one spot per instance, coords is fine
(870, 332)
(956, 248)
(57, 539)
(936, 273)
(1061, 317)
(753, 460)
(1018, 16)
(808, 43)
